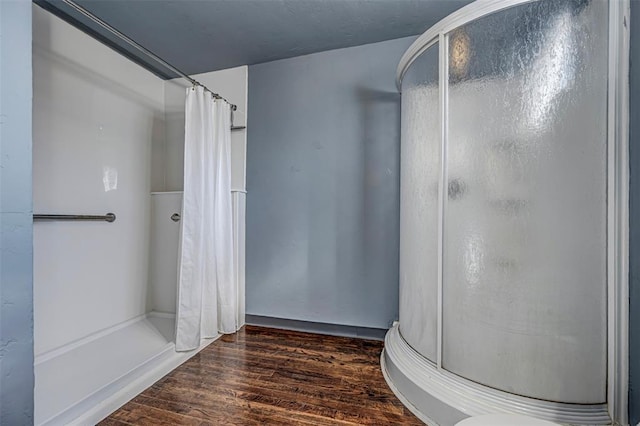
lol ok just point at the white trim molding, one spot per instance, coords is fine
(471, 12)
(443, 86)
(618, 213)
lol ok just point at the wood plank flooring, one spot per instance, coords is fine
(264, 376)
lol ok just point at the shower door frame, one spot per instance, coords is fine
(617, 179)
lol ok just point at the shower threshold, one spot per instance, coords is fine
(83, 382)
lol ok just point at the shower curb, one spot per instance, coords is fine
(446, 398)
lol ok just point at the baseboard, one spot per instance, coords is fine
(317, 327)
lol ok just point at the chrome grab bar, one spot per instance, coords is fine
(109, 217)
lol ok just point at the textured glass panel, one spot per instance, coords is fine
(420, 171)
(524, 294)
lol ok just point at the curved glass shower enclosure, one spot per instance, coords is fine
(504, 250)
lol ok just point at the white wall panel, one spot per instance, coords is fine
(164, 249)
(231, 84)
(96, 117)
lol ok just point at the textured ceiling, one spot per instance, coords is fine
(207, 35)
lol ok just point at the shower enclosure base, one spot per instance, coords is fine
(439, 397)
(83, 382)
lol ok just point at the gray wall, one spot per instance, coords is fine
(323, 186)
(16, 295)
(634, 218)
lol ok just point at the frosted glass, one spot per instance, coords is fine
(524, 294)
(420, 171)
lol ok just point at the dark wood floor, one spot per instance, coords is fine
(263, 376)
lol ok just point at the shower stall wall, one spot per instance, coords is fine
(509, 192)
(106, 133)
(97, 117)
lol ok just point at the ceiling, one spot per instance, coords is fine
(206, 35)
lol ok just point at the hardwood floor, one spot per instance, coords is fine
(264, 376)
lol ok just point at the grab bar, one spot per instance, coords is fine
(109, 217)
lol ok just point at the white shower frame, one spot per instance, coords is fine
(617, 239)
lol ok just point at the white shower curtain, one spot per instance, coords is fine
(207, 294)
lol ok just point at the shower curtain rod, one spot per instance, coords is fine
(142, 49)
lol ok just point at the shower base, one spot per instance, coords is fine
(441, 398)
(83, 382)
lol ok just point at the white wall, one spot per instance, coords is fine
(232, 85)
(96, 118)
(164, 250)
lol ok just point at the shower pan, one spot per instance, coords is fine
(513, 218)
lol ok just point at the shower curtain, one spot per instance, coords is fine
(207, 294)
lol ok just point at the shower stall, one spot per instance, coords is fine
(108, 137)
(512, 257)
